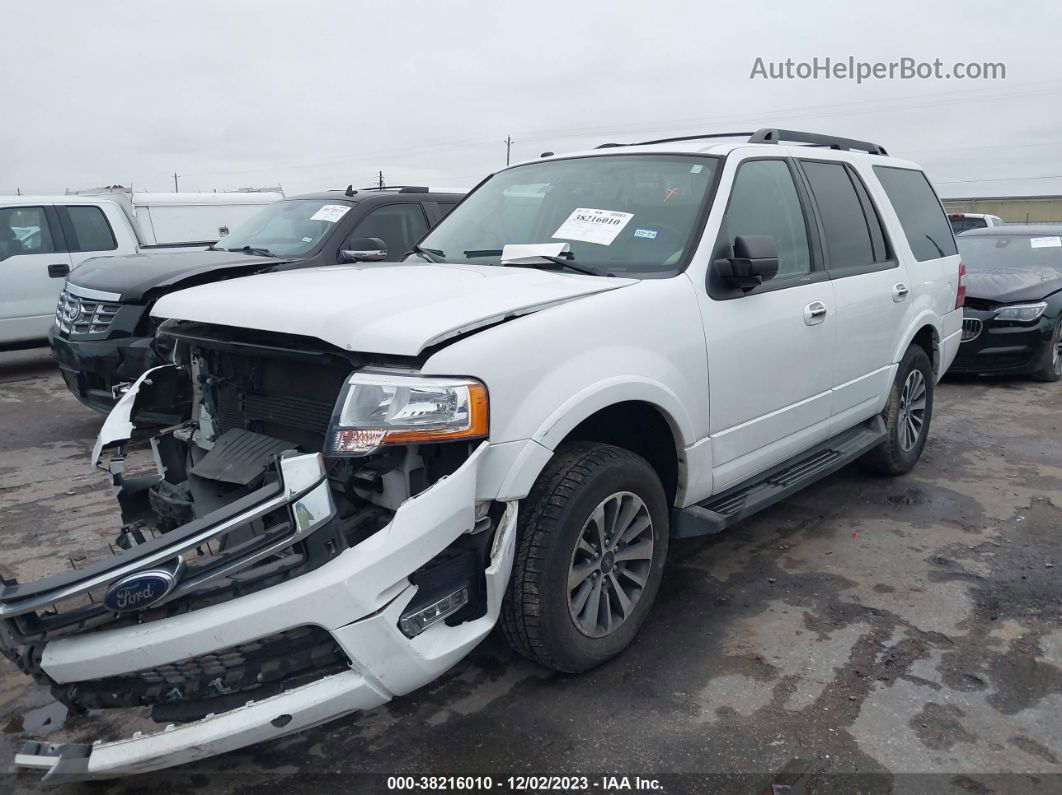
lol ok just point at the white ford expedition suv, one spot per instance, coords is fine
(592, 354)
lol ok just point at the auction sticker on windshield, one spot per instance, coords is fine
(1045, 242)
(330, 213)
(593, 226)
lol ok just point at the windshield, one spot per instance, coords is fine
(628, 214)
(286, 228)
(986, 253)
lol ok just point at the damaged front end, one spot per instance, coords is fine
(279, 568)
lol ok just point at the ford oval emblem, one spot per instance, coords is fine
(140, 590)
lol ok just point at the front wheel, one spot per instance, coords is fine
(593, 537)
(907, 416)
(1052, 369)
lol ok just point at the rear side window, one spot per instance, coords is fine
(853, 233)
(91, 229)
(24, 230)
(764, 201)
(919, 210)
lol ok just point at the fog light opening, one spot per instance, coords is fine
(413, 623)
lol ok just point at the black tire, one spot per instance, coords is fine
(1052, 369)
(536, 617)
(893, 456)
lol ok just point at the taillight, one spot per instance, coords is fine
(960, 293)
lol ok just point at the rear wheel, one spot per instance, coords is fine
(1052, 369)
(907, 416)
(593, 537)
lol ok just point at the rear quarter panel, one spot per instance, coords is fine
(933, 283)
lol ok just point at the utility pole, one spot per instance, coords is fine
(508, 147)
(175, 175)
(379, 180)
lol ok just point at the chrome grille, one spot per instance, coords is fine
(76, 314)
(971, 328)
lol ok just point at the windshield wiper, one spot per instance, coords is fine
(561, 261)
(430, 254)
(258, 252)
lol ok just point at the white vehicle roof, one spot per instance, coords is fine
(713, 146)
(148, 199)
(8, 201)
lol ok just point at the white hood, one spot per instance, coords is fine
(379, 307)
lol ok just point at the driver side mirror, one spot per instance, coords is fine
(365, 249)
(755, 261)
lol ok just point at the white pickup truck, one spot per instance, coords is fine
(591, 354)
(43, 238)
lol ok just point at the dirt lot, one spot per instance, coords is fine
(861, 633)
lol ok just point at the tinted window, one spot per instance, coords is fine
(960, 223)
(629, 214)
(444, 208)
(91, 228)
(882, 251)
(764, 201)
(399, 226)
(843, 222)
(24, 230)
(921, 216)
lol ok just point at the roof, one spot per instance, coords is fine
(148, 199)
(7, 201)
(716, 145)
(1032, 230)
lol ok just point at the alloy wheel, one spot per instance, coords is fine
(912, 416)
(610, 564)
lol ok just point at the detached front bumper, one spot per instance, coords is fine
(355, 599)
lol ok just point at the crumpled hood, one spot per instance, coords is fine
(1008, 285)
(388, 308)
(133, 275)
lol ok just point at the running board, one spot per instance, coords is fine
(722, 510)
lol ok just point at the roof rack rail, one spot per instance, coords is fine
(679, 138)
(693, 138)
(769, 135)
(399, 188)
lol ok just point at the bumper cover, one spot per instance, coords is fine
(1001, 346)
(358, 597)
(93, 368)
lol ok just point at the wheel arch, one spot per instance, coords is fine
(925, 333)
(641, 416)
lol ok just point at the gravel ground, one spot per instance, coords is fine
(867, 635)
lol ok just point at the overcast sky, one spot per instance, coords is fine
(321, 93)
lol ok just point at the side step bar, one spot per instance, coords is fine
(722, 510)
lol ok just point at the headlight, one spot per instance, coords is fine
(376, 409)
(1022, 313)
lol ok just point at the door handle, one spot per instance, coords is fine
(899, 292)
(60, 271)
(814, 313)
